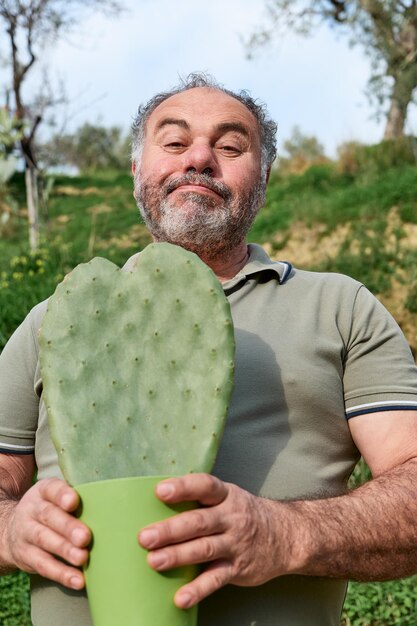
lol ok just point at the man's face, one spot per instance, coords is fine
(199, 181)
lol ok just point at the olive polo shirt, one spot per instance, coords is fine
(312, 350)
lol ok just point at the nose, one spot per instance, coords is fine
(201, 158)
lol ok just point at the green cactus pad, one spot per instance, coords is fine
(137, 367)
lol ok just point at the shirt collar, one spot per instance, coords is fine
(257, 262)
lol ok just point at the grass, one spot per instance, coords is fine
(14, 600)
(326, 196)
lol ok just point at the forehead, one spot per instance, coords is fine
(203, 107)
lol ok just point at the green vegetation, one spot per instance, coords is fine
(392, 603)
(14, 600)
(357, 216)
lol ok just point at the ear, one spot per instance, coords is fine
(133, 167)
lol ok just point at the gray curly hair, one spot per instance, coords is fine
(267, 127)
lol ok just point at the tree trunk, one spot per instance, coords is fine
(394, 128)
(32, 199)
(401, 96)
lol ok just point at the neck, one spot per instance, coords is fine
(226, 267)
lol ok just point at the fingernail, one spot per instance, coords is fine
(148, 538)
(67, 501)
(158, 559)
(185, 599)
(74, 554)
(79, 536)
(76, 582)
(165, 490)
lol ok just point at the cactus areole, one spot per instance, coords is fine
(137, 367)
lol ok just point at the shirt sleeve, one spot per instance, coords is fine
(380, 373)
(20, 387)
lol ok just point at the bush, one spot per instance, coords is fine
(358, 159)
(301, 152)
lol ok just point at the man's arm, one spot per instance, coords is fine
(36, 524)
(368, 534)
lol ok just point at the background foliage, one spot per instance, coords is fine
(357, 215)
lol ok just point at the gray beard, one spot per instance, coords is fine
(200, 224)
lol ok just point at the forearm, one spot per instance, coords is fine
(11, 490)
(7, 508)
(369, 534)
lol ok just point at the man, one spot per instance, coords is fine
(322, 374)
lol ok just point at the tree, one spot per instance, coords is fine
(90, 148)
(29, 26)
(386, 29)
(301, 151)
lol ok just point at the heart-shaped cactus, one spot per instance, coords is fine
(137, 367)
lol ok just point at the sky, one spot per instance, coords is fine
(110, 65)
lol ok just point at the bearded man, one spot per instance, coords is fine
(323, 375)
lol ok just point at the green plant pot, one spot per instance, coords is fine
(121, 587)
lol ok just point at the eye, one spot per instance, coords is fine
(174, 144)
(230, 150)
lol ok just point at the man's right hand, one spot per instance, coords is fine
(39, 531)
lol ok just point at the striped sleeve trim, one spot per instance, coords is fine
(375, 407)
(14, 448)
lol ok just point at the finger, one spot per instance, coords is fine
(204, 488)
(200, 550)
(214, 577)
(50, 515)
(60, 493)
(46, 539)
(49, 567)
(182, 527)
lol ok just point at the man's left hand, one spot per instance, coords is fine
(234, 532)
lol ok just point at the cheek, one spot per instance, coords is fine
(160, 169)
(241, 173)
(244, 179)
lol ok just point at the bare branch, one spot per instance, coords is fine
(340, 11)
(30, 25)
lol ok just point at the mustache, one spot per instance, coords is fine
(199, 179)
